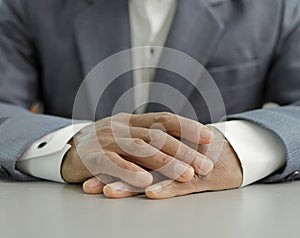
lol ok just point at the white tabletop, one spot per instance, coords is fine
(44, 209)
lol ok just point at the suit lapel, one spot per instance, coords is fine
(102, 30)
(195, 31)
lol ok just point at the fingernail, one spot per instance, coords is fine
(92, 184)
(181, 169)
(155, 189)
(205, 166)
(206, 134)
(118, 186)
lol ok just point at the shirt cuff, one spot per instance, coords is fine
(44, 157)
(260, 151)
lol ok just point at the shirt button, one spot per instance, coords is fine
(293, 176)
(151, 51)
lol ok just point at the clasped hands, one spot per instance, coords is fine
(125, 155)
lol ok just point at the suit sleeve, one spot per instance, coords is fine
(19, 88)
(283, 87)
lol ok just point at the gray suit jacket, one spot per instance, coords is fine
(250, 47)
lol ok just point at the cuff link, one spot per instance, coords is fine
(293, 176)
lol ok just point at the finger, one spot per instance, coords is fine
(93, 186)
(168, 188)
(175, 148)
(213, 150)
(174, 125)
(96, 184)
(140, 152)
(112, 164)
(122, 190)
(227, 174)
(106, 179)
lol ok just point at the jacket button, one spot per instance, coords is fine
(293, 176)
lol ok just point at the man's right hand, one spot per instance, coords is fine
(123, 145)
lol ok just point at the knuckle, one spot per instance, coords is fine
(186, 155)
(120, 116)
(184, 151)
(134, 144)
(157, 135)
(163, 117)
(105, 131)
(126, 165)
(107, 143)
(163, 159)
(139, 142)
(109, 154)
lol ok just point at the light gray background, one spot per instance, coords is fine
(44, 209)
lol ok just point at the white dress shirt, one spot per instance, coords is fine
(259, 151)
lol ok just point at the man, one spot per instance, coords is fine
(251, 48)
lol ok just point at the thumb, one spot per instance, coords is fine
(170, 188)
(96, 184)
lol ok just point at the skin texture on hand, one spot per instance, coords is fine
(126, 146)
(227, 174)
